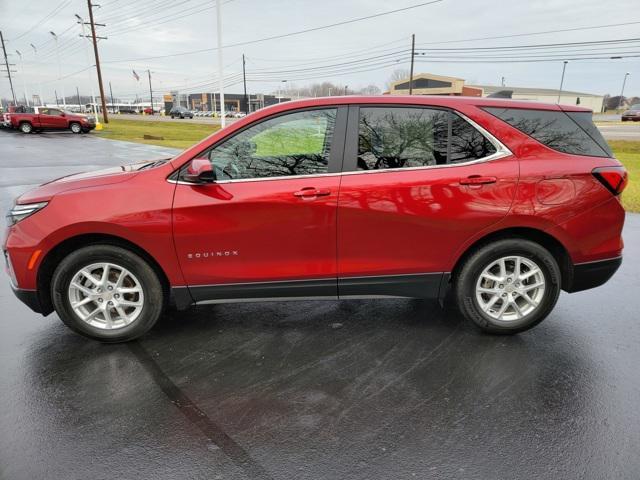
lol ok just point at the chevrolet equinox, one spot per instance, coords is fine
(502, 203)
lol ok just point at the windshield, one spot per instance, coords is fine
(635, 107)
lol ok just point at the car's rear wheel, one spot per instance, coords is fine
(75, 127)
(107, 293)
(508, 286)
(26, 127)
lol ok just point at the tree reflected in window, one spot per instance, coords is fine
(566, 132)
(405, 137)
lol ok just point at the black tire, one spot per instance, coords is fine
(466, 280)
(151, 286)
(75, 127)
(26, 127)
(172, 117)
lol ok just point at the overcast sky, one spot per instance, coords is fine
(145, 28)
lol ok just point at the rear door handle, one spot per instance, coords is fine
(477, 180)
(311, 192)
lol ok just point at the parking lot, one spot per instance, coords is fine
(380, 389)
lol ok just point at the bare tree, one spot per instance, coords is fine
(370, 90)
(398, 74)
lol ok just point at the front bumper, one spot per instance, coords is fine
(31, 299)
(584, 276)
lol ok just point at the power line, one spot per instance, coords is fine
(49, 16)
(274, 37)
(544, 32)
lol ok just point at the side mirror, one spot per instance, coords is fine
(62, 114)
(200, 171)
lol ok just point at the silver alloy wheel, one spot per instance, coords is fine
(76, 128)
(510, 288)
(106, 296)
(26, 127)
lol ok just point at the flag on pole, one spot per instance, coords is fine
(137, 77)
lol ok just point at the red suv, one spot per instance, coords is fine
(503, 202)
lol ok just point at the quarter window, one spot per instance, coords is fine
(293, 144)
(567, 132)
(405, 137)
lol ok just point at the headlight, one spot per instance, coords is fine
(20, 212)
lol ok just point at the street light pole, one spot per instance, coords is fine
(564, 66)
(281, 89)
(150, 90)
(35, 51)
(624, 82)
(24, 85)
(55, 38)
(220, 67)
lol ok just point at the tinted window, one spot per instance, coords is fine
(293, 144)
(566, 133)
(404, 137)
(467, 143)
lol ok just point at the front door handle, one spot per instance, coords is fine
(477, 180)
(311, 192)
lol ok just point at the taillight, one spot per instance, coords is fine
(613, 178)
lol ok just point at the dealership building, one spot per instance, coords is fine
(429, 84)
(233, 102)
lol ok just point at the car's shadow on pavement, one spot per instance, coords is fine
(331, 387)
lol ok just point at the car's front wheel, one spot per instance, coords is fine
(75, 127)
(26, 127)
(107, 293)
(508, 286)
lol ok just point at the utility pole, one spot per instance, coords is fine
(6, 63)
(151, 91)
(244, 82)
(220, 68)
(55, 92)
(502, 81)
(564, 66)
(95, 52)
(24, 85)
(413, 54)
(78, 95)
(85, 39)
(111, 93)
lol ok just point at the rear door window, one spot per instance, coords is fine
(409, 137)
(567, 132)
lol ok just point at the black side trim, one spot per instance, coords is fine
(423, 285)
(180, 298)
(591, 275)
(286, 289)
(31, 299)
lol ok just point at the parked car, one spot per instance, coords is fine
(239, 115)
(633, 114)
(150, 111)
(504, 203)
(180, 112)
(47, 118)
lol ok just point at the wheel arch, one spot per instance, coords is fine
(54, 256)
(551, 243)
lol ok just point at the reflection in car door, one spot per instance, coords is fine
(402, 216)
(256, 233)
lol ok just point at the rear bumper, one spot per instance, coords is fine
(592, 274)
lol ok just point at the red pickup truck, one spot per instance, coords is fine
(45, 118)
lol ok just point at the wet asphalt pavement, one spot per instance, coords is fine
(393, 389)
